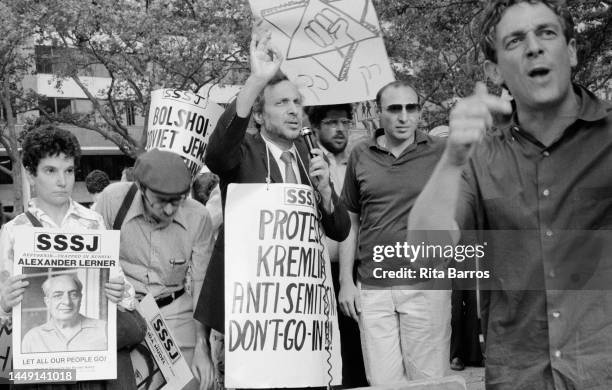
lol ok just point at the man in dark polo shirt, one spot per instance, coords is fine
(405, 332)
(540, 188)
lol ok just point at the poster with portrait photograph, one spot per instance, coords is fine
(158, 362)
(65, 321)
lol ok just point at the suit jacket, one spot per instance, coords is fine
(239, 157)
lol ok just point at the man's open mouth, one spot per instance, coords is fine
(539, 72)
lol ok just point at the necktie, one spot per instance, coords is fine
(290, 177)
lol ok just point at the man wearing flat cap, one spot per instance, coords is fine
(166, 241)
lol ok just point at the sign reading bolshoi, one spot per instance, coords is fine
(181, 122)
(281, 320)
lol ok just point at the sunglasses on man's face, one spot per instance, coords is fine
(397, 108)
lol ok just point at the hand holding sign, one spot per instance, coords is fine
(326, 28)
(12, 291)
(114, 289)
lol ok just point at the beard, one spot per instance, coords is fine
(333, 147)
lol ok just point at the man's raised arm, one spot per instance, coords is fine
(435, 207)
(223, 151)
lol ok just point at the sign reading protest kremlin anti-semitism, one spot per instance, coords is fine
(181, 122)
(281, 326)
(65, 323)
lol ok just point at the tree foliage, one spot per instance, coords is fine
(14, 65)
(140, 46)
(439, 41)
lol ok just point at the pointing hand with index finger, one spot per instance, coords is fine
(469, 121)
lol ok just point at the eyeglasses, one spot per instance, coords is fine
(160, 204)
(397, 108)
(337, 122)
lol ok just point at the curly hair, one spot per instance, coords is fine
(317, 113)
(48, 141)
(203, 185)
(96, 181)
(495, 9)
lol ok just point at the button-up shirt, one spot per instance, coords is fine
(77, 217)
(156, 259)
(551, 208)
(276, 153)
(89, 336)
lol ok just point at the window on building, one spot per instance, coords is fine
(4, 178)
(111, 164)
(130, 114)
(43, 59)
(55, 105)
(50, 60)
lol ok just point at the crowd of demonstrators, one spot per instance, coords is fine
(275, 154)
(541, 175)
(542, 170)
(166, 241)
(331, 124)
(95, 182)
(405, 332)
(50, 157)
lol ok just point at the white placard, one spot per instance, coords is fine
(158, 363)
(181, 122)
(333, 50)
(279, 299)
(66, 328)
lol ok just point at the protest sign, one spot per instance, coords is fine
(181, 122)
(65, 322)
(333, 50)
(158, 363)
(6, 354)
(281, 325)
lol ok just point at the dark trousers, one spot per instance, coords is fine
(465, 325)
(353, 369)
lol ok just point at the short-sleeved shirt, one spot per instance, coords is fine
(382, 189)
(554, 204)
(156, 259)
(91, 336)
(77, 217)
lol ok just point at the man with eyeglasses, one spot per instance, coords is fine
(331, 125)
(166, 242)
(405, 330)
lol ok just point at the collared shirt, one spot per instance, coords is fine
(156, 259)
(90, 336)
(337, 171)
(382, 189)
(77, 217)
(276, 153)
(555, 205)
